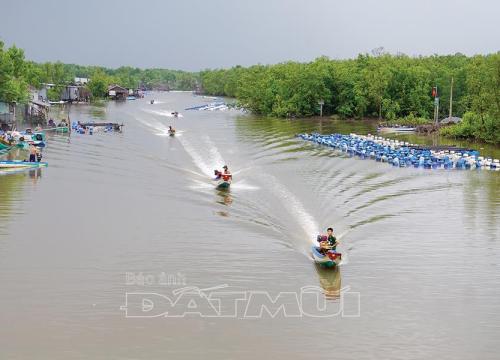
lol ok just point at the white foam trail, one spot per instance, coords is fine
(345, 258)
(206, 164)
(242, 185)
(296, 208)
(239, 171)
(177, 133)
(206, 167)
(201, 185)
(215, 156)
(155, 125)
(166, 113)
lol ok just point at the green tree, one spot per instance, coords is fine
(98, 84)
(13, 84)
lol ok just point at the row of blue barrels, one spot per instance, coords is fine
(403, 154)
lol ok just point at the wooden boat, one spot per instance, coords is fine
(223, 180)
(396, 129)
(4, 146)
(223, 185)
(328, 259)
(21, 164)
(59, 129)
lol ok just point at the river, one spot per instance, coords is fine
(103, 253)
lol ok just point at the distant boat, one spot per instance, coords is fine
(21, 164)
(396, 129)
(61, 129)
(130, 97)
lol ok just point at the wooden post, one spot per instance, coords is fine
(451, 98)
(436, 106)
(437, 112)
(69, 124)
(321, 103)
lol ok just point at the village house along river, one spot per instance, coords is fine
(421, 247)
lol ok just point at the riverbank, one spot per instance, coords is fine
(383, 86)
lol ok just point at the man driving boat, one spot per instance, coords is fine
(328, 241)
(224, 175)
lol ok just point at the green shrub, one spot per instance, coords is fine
(485, 128)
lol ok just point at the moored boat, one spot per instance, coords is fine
(4, 146)
(328, 259)
(58, 129)
(396, 129)
(21, 164)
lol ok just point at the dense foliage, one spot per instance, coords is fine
(380, 85)
(16, 74)
(128, 77)
(482, 118)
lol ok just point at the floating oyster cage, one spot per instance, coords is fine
(404, 154)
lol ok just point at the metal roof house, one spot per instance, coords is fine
(117, 92)
(70, 93)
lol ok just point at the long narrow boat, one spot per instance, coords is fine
(329, 259)
(59, 129)
(21, 164)
(396, 129)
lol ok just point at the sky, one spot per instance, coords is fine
(198, 34)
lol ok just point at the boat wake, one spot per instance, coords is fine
(157, 126)
(206, 164)
(243, 185)
(296, 209)
(165, 134)
(166, 113)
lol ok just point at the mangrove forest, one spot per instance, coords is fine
(394, 88)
